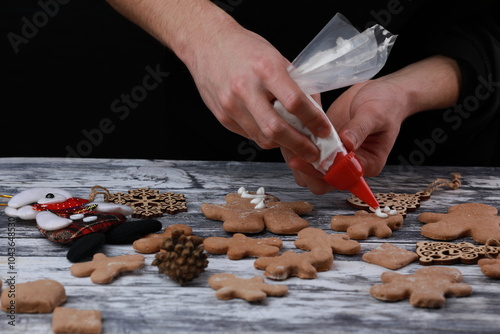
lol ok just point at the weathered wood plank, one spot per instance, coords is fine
(337, 301)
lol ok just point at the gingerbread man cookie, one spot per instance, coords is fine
(312, 238)
(246, 212)
(479, 221)
(427, 287)
(364, 224)
(103, 269)
(229, 286)
(302, 265)
(241, 246)
(490, 267)
(151, 243)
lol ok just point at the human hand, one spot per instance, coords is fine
(368, 117)
(240, 77)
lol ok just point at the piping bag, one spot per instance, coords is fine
(337, 57)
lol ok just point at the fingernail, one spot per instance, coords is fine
(310, 157)
(323, 131)
(352, 137)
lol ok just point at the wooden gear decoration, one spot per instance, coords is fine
(444, 253)
(146, 203)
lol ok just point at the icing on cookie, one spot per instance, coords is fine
(257, 198)
(387, 212)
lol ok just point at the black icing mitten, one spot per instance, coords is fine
(85, 247)
(130, 231)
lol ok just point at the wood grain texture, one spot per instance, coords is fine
(338, 301)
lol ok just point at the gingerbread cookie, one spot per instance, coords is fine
(69, 320)
(246, 212)
(241, 246)
(40, 296)
(151, 243)
(103, 269)
(427, 287)
(312, 238)
(490, 267)
(302, 265)
(444, 253)
(229, 286)
(389, 256)
(479, 221)
(364, 224)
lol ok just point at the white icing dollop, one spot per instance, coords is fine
(387, 212)
(260, 205)
(257, 198)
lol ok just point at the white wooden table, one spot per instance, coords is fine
(338, 301)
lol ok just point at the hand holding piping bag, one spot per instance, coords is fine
(337, 57)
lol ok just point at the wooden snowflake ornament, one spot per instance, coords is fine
(149, 203)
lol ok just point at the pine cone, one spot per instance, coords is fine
(182, 258)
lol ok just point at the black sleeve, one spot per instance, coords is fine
(469, 132)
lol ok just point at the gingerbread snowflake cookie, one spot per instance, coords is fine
(247, 212)
(479, 221)
(364, 224)
(427, 287)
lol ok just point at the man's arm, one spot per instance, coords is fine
(238, 73)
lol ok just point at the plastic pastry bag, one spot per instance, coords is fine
(338, 56)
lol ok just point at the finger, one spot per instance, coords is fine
(298, 103)
(310, 176)
(275, 130)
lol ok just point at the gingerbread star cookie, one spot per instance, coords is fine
(103, 269)
(229, 286)
(479, 221)
(427, 287)
(241, 246)
(246, 212)
(302, 265)
(312, 238)
(364, 224)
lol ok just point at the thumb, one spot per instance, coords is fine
(354, 133)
